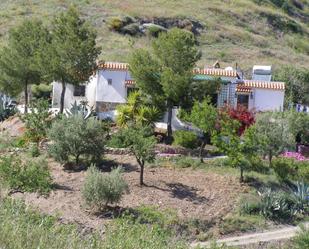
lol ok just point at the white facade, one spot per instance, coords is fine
(268, 100)
(69, 97)
(109, 87)
(106, 86)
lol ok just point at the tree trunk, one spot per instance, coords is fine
(169, 123)
(77, 160)
(201, 151)
(241, 175)
(62, 96)
(141, 177)
(26, 98)
(270, 157)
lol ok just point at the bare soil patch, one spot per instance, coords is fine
(193, 194)
(13, 126)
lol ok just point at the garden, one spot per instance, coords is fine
(70, 180)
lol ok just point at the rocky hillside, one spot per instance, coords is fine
(244, 31)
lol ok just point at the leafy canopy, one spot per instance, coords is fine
(140, 141)
(71, 55)
(19, 59)
(166, 73)
(273, 133)
(204, 116)
(74, 137)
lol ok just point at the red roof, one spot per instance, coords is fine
(217, 72)
(114, 66)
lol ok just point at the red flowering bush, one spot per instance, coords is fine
(245, 117)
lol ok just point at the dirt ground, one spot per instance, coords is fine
(13, 126)
(191, 193)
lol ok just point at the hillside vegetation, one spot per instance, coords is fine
(244, 31)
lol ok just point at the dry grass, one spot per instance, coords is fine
(235, 30)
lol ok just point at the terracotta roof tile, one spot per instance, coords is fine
(243, 89)
(129, 82)
(216, 72)
(265, 84)
(114, 66)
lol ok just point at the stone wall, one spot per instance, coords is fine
(105, 106)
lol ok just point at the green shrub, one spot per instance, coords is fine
(37, 121)
(186, 162)
(301, 241)
(41, 91)
(100, 190)
(25, 175)
(34, 150)
(75, 137)
(258, 165)
(302, 171)
(291, 169)
(284, 168)
(186, 139)
(21, 142)
(115, 24)
(116, 140)
(154, 30)
(131, 29)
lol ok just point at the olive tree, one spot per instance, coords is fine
(140, 141)
(74, 136)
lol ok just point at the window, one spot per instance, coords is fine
(79, 91)
(243, 100)
(109, 81)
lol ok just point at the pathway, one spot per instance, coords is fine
(268, 236)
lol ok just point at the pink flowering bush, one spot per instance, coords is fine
(292, 166)
(295, 155)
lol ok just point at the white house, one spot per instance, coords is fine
(111, 84)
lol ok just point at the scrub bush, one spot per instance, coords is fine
(284, 168)
(74, 137)
(100, 190)
(37, 121)
(187, 139)
(25, 175)
(301, 241)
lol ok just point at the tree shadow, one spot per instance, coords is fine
(61, 187)
(113, 212)
(184, 192)
(259, 184)
(108, 164)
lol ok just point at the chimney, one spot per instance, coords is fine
(262, 73)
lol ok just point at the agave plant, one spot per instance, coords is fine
(7, 107)
(82, 109)
(277, 205)
(301, 195)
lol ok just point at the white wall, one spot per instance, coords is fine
(268, 100)
(116, 92)
(69, 99)
(91, 88)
